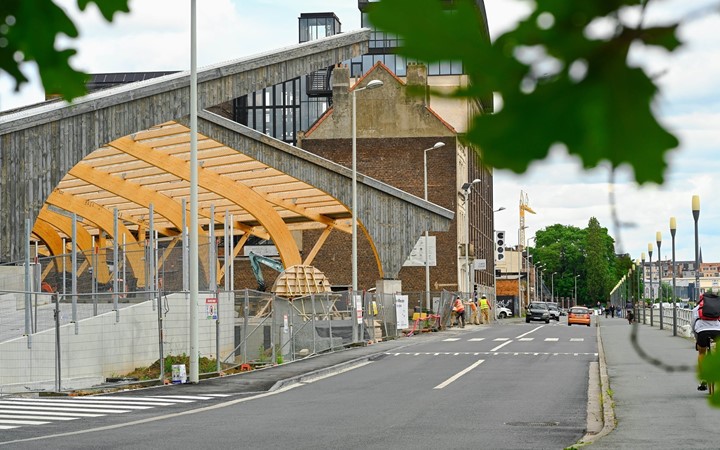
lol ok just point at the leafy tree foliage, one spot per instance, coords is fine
(559, 83)
(598, 264)
(28, 29)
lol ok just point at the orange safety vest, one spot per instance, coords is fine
(459, 307)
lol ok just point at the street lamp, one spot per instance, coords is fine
(652, 294)
(427, 263)
(527, 245)
(575, 295)
(374, 84)
(673, 229)
(519, 272)
(538, 286)
(552, 287)
(658, 239)
(696, 216)
(466, 189)
(643, 282)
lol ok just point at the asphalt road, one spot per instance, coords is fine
(504, 387)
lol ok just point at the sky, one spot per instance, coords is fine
(153, 37)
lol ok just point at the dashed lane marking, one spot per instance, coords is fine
(525, 339)
(476, 339)
(577, 339)
(451, 339)
(552, 339)
(490, 353)
(501, 339)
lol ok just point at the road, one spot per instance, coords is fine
(512, 385)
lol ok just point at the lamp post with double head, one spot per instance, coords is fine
(658, 239)
(652, 293)
(467, 187)
(373, 84)
(427, 239)
(696, 216)
(643, 282)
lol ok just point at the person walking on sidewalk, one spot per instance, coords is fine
(705, 329)
(459, 310)
(485, 309)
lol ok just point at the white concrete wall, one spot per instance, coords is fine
(103, 347)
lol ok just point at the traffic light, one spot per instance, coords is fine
(499, 245)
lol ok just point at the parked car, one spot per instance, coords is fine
(554, 311)
(579, 315)
(537, 311)
(502, 312)
(666, 305)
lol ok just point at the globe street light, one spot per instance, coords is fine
(374, 84)
(658, 239)
(427, 263)
(696, 216)
(652, 294)
(673, 229)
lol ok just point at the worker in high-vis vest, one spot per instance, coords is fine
(485, 309)
(459, 310)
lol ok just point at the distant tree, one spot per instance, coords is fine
(598, 263)
(560, 248)
(28, 30)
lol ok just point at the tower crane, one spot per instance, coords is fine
(524, 206)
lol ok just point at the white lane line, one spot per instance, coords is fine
(22, 422)
(534, 329)
(69, 403)
(3, 427)
(476, 339)
(332, 374)
(121, 401)
(577, 339)
(451, 339)
(219, 395)
(34, 417)
(551, 339)
(70, 410)
(146, 399)
(500, 346)
(458, 375)
(182, 397)
(72, 415)
(526, 339)
(501, 339)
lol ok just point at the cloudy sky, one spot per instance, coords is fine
(155, 36)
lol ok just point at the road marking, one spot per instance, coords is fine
(491, 353)
(3, 427)
(22, 422)
(577, 339)
(459, 374)
(181, 397)
(147, 399)
(526, 339)
(551, 339)
(451, 339)
(500, 346)
(73, 415)
(26, 415)
(7, 405)
(90, 407)
(534, 329)
(501, 339)
(476, 339)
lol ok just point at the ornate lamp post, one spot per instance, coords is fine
(673, 228)
(696, 216)
(658, 239)
(643, 280)
(652, 293)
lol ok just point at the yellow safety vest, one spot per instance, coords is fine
(484, 304)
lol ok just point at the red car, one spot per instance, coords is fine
(580, 315)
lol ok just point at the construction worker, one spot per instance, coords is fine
(485, 309)
(459, 310)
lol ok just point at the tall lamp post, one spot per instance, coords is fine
(658, 239)
(696, 216)
(673, 228)
(527, 268)
(427, 239)
(575, 295)
(373, 84)
(643, 282)
(652, 293)
(552, 287)
(538, 286)
(519, 272)
(466, 189)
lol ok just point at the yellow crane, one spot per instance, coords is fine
(524, 206)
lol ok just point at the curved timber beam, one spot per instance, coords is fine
(104, 219)
(84, 240)
(254, 203)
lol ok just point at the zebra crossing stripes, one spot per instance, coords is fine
(16, 412)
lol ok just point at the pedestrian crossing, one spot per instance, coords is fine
(16, 412)
(522, 339)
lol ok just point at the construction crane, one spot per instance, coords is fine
(524, 206)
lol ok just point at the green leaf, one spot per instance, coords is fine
(107, 8)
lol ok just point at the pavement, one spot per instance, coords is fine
(655, 405)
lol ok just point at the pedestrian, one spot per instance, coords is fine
(474, 313)
(612, 311)
(706, 327)
(607, 310)
(618, 311)
(459, 310)
(485, 309)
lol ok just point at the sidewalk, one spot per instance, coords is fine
(654, 408)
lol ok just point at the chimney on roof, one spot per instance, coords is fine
(417, 83)
(341, 88)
